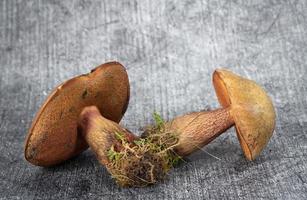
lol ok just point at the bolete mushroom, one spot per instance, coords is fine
(53, 136)
(135, 161)
(245, 105)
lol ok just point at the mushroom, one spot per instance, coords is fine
(244, 104)
(53, 136)
(135, 161)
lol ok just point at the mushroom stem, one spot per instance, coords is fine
(137, 161)
(99, 132)
(194, 130)
(197, 129)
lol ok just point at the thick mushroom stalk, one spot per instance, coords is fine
(100, 133)
(132, 161)
(197, 129)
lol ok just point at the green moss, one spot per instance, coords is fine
(146, 160)
(113, 155)
(159, 121)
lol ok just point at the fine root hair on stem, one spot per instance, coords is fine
(145, 160)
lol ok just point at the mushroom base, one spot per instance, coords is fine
(145, 161)
(138, 171)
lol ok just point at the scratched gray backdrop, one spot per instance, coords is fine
(170, 49)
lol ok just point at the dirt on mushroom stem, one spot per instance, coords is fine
(146, 160)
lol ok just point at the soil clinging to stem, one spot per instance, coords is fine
(146, 160)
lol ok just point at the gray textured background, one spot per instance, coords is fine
(170, 49)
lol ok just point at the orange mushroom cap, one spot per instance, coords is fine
(251, 108)
(53, 136)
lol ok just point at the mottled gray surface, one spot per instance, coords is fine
(170, 49)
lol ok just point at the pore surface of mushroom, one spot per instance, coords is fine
(53, 136)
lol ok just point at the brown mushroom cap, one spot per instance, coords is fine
(53, 136)
(251, 108)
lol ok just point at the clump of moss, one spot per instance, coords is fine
(146, 160)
